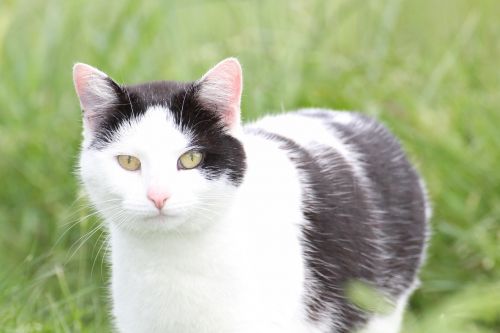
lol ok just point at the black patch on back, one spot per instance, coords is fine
(397, 192)
(346, 218)
(336, 241)
(224, 154)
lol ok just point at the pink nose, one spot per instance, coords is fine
(158, 197)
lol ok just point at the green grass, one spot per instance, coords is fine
(428, 69)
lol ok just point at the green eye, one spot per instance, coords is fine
(128, 162)
(190, 160)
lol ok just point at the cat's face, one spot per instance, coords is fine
(161, 155)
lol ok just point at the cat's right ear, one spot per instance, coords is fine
(97, 93)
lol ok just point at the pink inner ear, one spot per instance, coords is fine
(234, 72)
(94, 91)
(82, 74)
(228, 73)
(223, 85)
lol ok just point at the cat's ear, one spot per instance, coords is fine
(97, 93)
(221, 87)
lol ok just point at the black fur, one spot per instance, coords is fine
(397, 195)
(344, 217)
(224, 155)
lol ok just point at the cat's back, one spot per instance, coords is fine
(363, 205)
(347, 132)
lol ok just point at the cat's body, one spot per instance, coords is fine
(267, 231)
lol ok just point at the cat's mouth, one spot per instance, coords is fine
(141, 212)
(162, 216)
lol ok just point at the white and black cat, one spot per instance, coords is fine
(221, 228)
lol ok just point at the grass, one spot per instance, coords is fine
(428, 69)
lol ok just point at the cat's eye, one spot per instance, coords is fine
(190, 160)
(128, 162)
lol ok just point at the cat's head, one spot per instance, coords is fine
(161, 155)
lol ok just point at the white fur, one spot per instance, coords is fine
(310, 132)
(221, 259)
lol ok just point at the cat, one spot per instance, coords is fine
(217, 227)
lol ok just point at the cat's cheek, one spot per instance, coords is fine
(89, 175)
(104, 182)
(186, 188)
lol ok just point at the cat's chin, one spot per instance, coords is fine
(159, 222)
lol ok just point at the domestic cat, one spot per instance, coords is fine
(220, 228)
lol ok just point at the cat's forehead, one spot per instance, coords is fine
(154, 130)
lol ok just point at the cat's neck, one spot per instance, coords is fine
(174, 249)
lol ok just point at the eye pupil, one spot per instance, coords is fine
(129, 160)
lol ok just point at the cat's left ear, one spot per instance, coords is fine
(221, 87)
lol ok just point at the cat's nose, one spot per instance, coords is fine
(158, 197)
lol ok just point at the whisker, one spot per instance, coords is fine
(98, 251)
(72, 224)
(82, 241)
(84, 238)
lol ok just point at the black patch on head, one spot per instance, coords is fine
(223, 154)
(131, 103)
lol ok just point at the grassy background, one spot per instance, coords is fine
(428, 69)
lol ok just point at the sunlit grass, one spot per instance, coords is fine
(428, 69)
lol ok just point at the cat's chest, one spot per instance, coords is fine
(190, 287)
(169, 301)
(210, 284)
